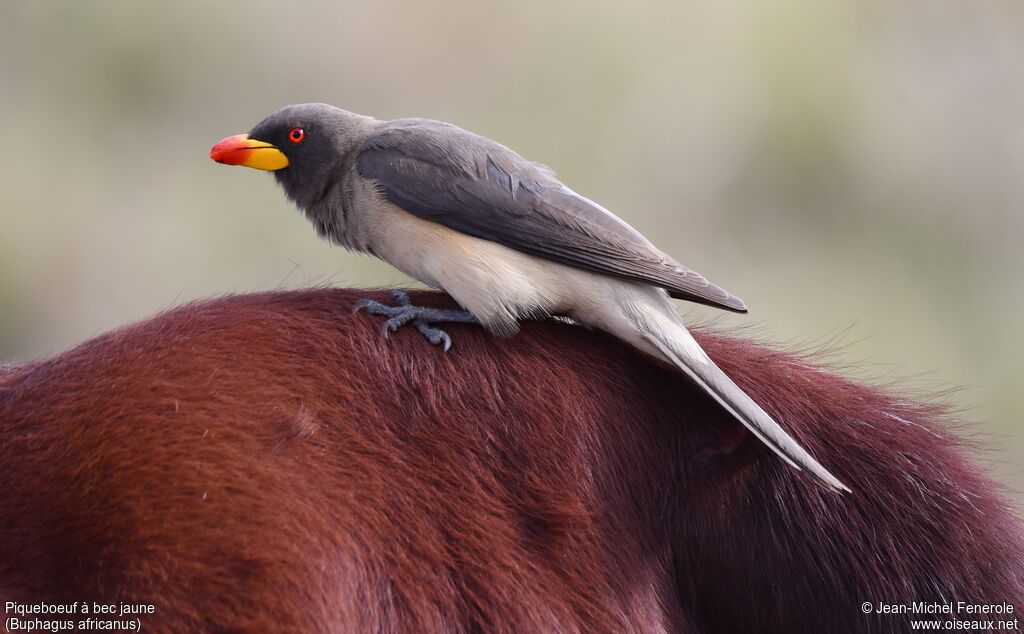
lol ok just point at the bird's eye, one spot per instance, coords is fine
(295, 135)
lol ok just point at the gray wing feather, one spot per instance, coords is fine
(478, 187)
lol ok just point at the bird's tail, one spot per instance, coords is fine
(674, 342)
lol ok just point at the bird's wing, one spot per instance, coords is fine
(478, 187)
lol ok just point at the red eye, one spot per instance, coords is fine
(295, 135)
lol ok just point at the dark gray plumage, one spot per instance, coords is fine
(481, 188)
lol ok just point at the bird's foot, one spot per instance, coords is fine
(421, 317)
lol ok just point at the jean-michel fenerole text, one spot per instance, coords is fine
(948, 607)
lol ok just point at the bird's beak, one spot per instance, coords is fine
(241, 150)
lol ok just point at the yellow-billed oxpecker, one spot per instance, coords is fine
(500, 234)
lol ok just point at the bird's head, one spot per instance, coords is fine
(302, 144)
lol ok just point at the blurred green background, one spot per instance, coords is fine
(840, 165)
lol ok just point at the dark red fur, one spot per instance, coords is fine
(269, 463)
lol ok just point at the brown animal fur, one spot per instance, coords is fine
(269, 463)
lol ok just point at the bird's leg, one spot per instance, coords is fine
(421, 317)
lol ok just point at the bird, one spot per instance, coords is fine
(500, 234)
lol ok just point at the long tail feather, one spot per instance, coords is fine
(679, 347)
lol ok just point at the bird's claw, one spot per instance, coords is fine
(435, 336)
(420, 317)
(369, 305)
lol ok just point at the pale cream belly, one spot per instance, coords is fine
(497, 284)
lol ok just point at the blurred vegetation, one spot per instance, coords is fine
(833, 163)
